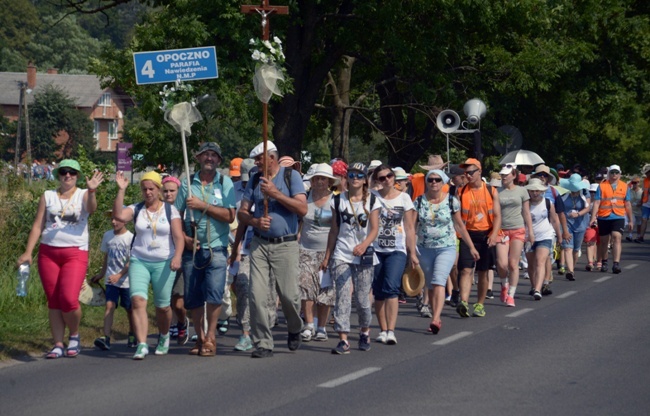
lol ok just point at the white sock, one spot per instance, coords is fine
(321, 329)
(504, 281)
(310, 325)
(511, 291)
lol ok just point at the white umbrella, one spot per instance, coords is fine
(521, 157)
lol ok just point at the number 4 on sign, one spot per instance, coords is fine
(147, 69)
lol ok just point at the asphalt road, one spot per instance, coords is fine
(585, 350)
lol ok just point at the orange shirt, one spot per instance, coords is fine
(477, 208)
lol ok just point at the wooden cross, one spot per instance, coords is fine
(264, 10)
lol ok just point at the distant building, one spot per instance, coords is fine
(104, 106)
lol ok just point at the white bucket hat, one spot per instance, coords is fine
(320, 169)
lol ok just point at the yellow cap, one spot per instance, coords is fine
(154, 177)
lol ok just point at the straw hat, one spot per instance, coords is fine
(413, 281)
(434, 162)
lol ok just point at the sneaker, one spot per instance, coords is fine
(141, 352)
(463, 309)
(222, 326)
(103, 343)
(504, 292)
(561, 270)
(616, 268)
(569, 276)
(531, 292)
(293, 341)
(262, 353)
(341, 348)
(307, 334)
(448, 300)
(589, 267)
(401, 299)
(173, 331)
(603, 268)
(382, 337)
(510, 301)
(131, 342)
(537, 295)
(418, 303)
(425, 312)
(479, 310)
(455, 298)
(391, 339)
(638, 240)
(244, 344)
(321, 335)
(526, 275)
(489, 294)
(183, 333)
(364, 342)
(628, 238)
(163, 345)
(546, 289)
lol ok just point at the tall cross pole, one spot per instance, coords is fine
(265, 10)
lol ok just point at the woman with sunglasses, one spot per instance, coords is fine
(396, 238)
(349, 246)
(515, 220)
(438, 219)
(62, 224)
(156, 254)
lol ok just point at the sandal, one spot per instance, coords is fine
(75, 349)
(209, 348)
(435, 326)
(196, 349)
(55, 352)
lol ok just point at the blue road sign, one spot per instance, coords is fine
(175, 65)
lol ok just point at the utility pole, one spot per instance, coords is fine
(28, 143)
(19, 128)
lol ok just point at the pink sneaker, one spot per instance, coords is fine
(510, 301)
(504, 292)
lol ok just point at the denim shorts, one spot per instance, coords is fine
(388, 274)
(543, 243)
(645, 213)
(436, 264)
(119, 296)
(205, 277)
(576, 241)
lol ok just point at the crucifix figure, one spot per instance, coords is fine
(265, 10)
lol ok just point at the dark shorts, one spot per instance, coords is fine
(179, 284)
(488, 254)
(606, 227)
(119, 296)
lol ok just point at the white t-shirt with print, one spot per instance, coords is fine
(354, 227)
(66, 221)
(145, 246)
(118, 250)
(392, 235)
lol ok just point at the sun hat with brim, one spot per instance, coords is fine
(320, 169)
(209, 146)
(152, 176)
(535, 184)
(574, 183)
(545, 169)
(438, 172)
(646, 168)
(67, 163)
(400, 174)
(259, 149)
(434, 162)
(374, 164)
(413, 280)
(593, 187)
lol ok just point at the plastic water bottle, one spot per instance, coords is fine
(23, 276)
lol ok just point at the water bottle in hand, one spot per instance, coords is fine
(23, 276)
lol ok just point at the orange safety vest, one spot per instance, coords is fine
(646, 190)
(477, 207)
(612, 200)
(417, 184)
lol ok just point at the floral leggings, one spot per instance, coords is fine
(345, 277)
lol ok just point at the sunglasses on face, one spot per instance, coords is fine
(614, 172)
(510, 166)
(64, 172)
(471, 172)
(633, 183)
(384, 178)
(432, 180)
(543, 175)
(356, 175)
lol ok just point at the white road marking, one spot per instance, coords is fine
(566, 294)
(602, 279)
(519, 312)
(630, 266)
(350, 377)
(453, 338)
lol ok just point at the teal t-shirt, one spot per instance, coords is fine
(219, 195)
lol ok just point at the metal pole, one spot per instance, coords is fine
(19, 128)
(187, 172)
(27, 139)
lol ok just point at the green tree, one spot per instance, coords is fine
(53, 113)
